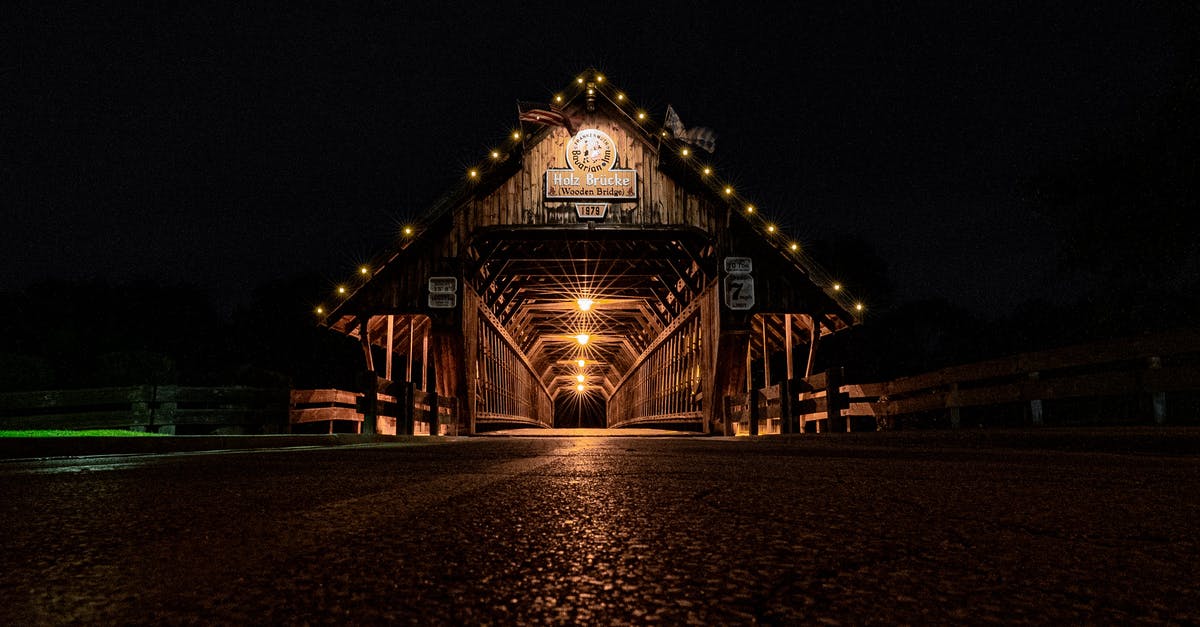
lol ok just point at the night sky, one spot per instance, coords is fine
(228, 147)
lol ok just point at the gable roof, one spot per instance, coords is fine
(684, 160)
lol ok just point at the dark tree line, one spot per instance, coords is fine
(74, 334)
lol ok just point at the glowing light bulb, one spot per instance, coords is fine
(795, 246)
(579, 80)
(708, 170)
(579, 388)
(585, 304)
(473, 173)
(837, 287)
(858, 307)
(516, 134)
(558, 98)
(579, 378)
(599, 78)
(749, 208)
(621, 97)
(341, 290)
(770, 228)
(583, 338)
(641, 115)
(408, 230)
(728, 190)
(495, 154)
(320, 310)
(364, 271)
(581, 363)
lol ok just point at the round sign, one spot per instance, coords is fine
(591, 150)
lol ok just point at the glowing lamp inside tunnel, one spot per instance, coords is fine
(582, 338)
(585, 304)
(579, 378)
(579, 388)
(581, 363)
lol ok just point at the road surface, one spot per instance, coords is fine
(834, 529)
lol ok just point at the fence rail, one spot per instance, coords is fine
(1145, 368)
(331, 410)
(163, 409)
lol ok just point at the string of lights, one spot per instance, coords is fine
(593, 83)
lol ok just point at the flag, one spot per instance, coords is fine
(545, 115)
(672, 122)
(701, 137)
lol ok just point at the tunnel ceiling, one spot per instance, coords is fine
(637, 282)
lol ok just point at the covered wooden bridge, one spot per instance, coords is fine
(594, 270)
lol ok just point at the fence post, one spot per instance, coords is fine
(433, 418)
(1158, 400)
(833, 400)
(370, 401)
(405, 400)
(785, 407)
(752, 401)
(166, 401)
(953, 403)
(1035, 405)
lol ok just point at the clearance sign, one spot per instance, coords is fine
(590, 175)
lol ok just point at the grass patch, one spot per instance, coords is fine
(63, 433)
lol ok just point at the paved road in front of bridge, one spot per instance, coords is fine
(860, 528)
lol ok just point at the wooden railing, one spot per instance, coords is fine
(1130, 376)
(163, 409)
(330, 411)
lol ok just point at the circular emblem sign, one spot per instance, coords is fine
(591, 150)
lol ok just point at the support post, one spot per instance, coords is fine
(766, 354)
(785, 386)
(787, 333)
(786, 419)
(425, 359)
(813, 339)
(387, 359)
(365, 339)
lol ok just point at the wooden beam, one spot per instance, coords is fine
(387, 368)
(365, 340)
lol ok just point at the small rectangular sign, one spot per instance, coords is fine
(739, 265)
(739, 292)
(443, 301)
(591, 210)
(443, 285)
(613, 185)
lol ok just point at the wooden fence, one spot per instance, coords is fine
(340, 411)
(153, 408)
(1129, 380)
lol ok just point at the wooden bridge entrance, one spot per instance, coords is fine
(595, 266)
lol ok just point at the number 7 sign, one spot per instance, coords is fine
(739, 291)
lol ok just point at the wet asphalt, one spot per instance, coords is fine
(796, 530)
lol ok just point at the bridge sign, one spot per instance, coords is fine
(739, 291)
(443, 285)
(443, 301)
(443, 292)
(742, 265)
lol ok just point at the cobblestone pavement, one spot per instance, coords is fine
(968, 528)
